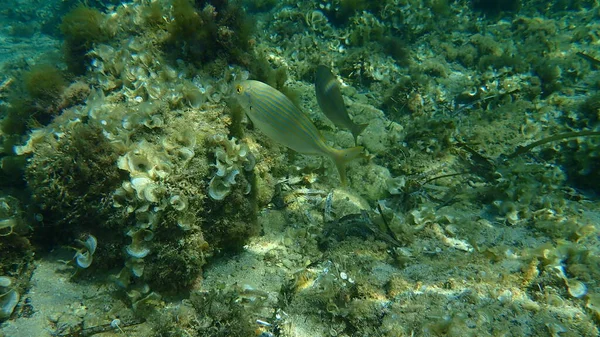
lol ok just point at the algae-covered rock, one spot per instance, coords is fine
(452, 225)
(210, 31)
(82, 27)
(72, 177)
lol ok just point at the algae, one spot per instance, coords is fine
(474, 213)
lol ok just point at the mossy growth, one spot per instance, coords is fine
(549, 72)
(153, 14)
(45, 83)
(227, 314)
(214, 313)
(560, 5)
(36, 102)
(12, 170)
(234, 221)
(262, 70)
(260, 5)
(495, 8)
(219, 29)
(398, 49)
(19, 116)
(366, 36)
(178, 261)
(396, 99)
(354, 65)
(517, 64)
(440, 7)
(590, 109)
(71, 181)
(580, 161)
(340, 13)
(82, 27)
(22, 30)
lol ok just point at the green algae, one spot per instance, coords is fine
(82, 27)
(205, 33)
(465, 221)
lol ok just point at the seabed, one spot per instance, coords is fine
(137, 199)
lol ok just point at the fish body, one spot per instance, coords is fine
(278, 118)
(332, 103)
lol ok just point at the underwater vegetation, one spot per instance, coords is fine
(68, 171)
(340, 12)
(219, 313)
(174, 174)
(38, 101)
(40, 96)
(203, 31)
(495, 8)
(82, 27)
(259, 5)
(45, 83)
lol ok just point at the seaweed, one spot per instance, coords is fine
(441, 7)
(222, 312)
(36, 101)
(82, 27)
(71, 180)
(153, 14)
(590, 108)
(260, 5)
(398, 49)
(18, 116)
(218, 30)
(340, 13)
(549, 73)
(45, 83)
(495, 8)
(560, 5)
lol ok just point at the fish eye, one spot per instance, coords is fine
(238, 89)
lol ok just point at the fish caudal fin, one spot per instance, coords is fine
(357, 130)
(342, 157)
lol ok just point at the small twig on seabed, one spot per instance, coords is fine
(594, 61)
(80, 331)
(114, 325)
(4, 85)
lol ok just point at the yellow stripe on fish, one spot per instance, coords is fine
(278, 118)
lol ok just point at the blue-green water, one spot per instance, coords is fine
(137, 197)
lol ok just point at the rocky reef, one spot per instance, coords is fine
(127, 166)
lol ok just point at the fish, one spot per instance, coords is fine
(332, 103)
(280, 119)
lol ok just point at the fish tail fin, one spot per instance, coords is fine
(357, 130)
(342, 157)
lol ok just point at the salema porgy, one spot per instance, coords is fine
(278, 118)
(331, 101)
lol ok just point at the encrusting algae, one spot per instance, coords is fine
(278, 118)
(133, 201)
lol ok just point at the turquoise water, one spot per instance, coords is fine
(146, 190)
